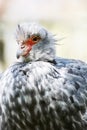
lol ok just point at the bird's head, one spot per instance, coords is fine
(34, 43)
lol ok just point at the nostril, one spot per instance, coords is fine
(22, 46)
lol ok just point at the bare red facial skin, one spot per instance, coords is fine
(32, 40)
(25, 53)
(27, 46)
(29, 42)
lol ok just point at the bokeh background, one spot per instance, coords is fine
(65, 18)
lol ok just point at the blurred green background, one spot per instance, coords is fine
(67, 19)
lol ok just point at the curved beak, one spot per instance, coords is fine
(19, 53)
(23, 50)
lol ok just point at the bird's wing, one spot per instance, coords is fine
(39, 96)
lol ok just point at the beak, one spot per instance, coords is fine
(19, 53)
(23, 51)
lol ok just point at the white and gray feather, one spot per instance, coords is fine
(44, 94)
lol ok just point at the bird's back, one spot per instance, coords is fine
(44, 96)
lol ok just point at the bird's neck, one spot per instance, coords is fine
(46, 55)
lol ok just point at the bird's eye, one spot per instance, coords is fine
(36, 38)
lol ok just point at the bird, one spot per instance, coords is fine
(42, 91)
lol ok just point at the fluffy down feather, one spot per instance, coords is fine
(41, 96)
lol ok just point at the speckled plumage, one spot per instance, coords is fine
(44, 95)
